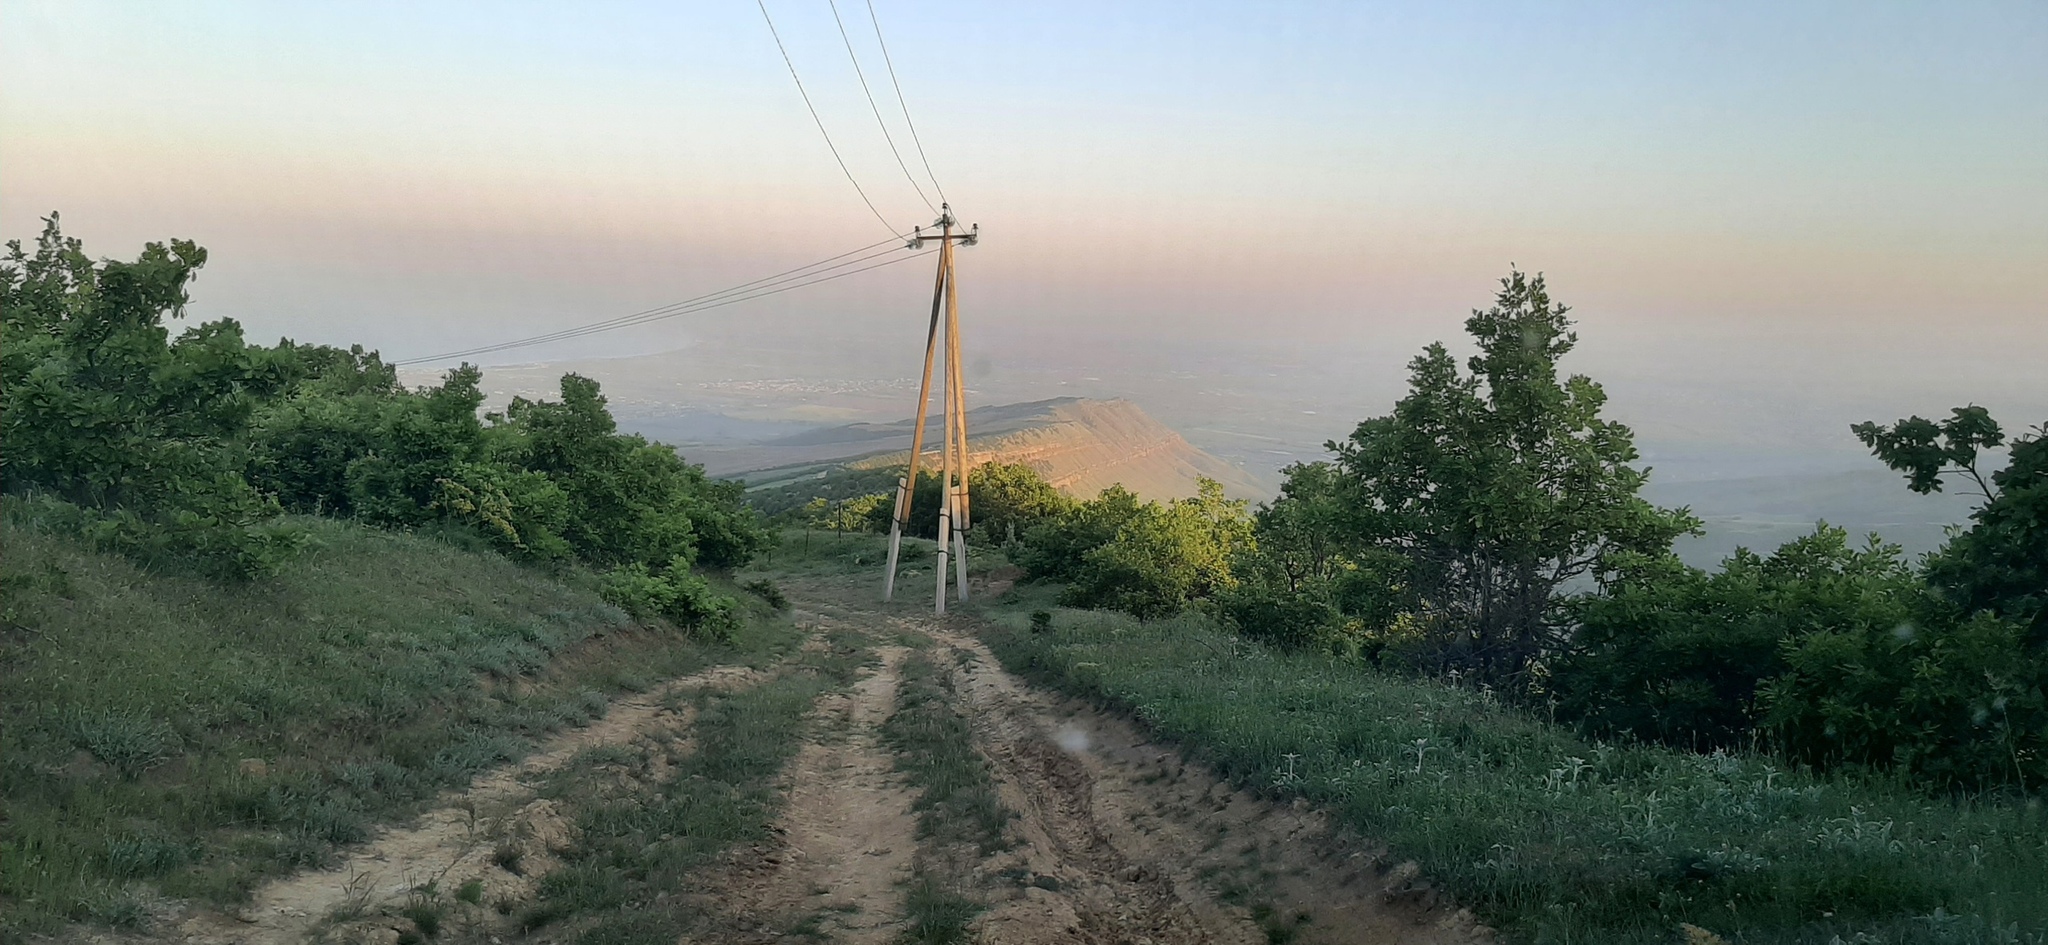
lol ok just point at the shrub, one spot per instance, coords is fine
(1958, 703)
(678, 596)
(768, 592)
(1144, 558)
(1676, 655)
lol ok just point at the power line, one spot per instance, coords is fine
(820, 121)
(624, 319)
(877, 109)
(899, 99)
(759, 288)
(667, 312)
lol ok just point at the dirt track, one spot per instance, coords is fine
(1112, 839)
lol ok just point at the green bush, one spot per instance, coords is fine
(1676, 655)
(1958, 703)
(185, 450)
(141, 432)
(1141, 557)
(682, 598)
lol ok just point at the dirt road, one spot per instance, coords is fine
(1109, 838)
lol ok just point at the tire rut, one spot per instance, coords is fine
(1124, 842)
(458, 837)
(845, 835)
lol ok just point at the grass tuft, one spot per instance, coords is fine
(937, 914)
(934, 745)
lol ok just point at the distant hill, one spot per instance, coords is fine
(1078, 445)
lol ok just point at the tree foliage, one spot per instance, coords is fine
(1479, 500)
(1146, 558)
(190, 447)
(136, 430)
(1675, 654)
(1836, 656)
(2000, 563)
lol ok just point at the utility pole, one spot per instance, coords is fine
(953, 506)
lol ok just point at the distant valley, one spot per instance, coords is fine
(762, 407)
(1080, 446)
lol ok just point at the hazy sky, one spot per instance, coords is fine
(1849, 187)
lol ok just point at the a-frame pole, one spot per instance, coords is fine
(946, 460)
(959, 388)
(906, 487)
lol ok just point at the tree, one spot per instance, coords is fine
(1306, 579)
(1057, 549)
(1009, 498)
(2000, 563)
(1502, 486)
(140, 431)
(1675, 654)
(1163, 558)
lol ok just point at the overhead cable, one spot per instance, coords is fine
(820, 121)
(877, 109)
(879, 41)
(759, 288)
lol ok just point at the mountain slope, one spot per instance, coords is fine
(1080, 446)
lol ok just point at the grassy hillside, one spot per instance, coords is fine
(1552, 837)
(163, 735)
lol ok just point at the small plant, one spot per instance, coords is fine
(767, 591)
(130, 742)
(423, 906)
(471, 891)
(508, 857)
(143, 856)
(120, 910)
(1041, 621)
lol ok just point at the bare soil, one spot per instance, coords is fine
(1112, 838)
(1121, 841)
(457, 841)
(845, 835)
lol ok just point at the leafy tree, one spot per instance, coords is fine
(1307, 579)
(1143, 557)
(628, 500)
(1675, 654)
(1058, 549)
(1500, 487)
(862, 513)
(1009, 498)
(1164, 558)
(2001, 562)
(106, 410)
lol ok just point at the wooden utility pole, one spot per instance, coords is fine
(953, 507)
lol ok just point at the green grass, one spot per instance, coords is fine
(958, 807)
(937, 913)
(640, 837)
(165, 734)
(798, 554)
(957, 801)
(1551, 837)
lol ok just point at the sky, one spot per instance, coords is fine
(1745, 202)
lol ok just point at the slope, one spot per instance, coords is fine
(165, 737)
(1078, 445)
